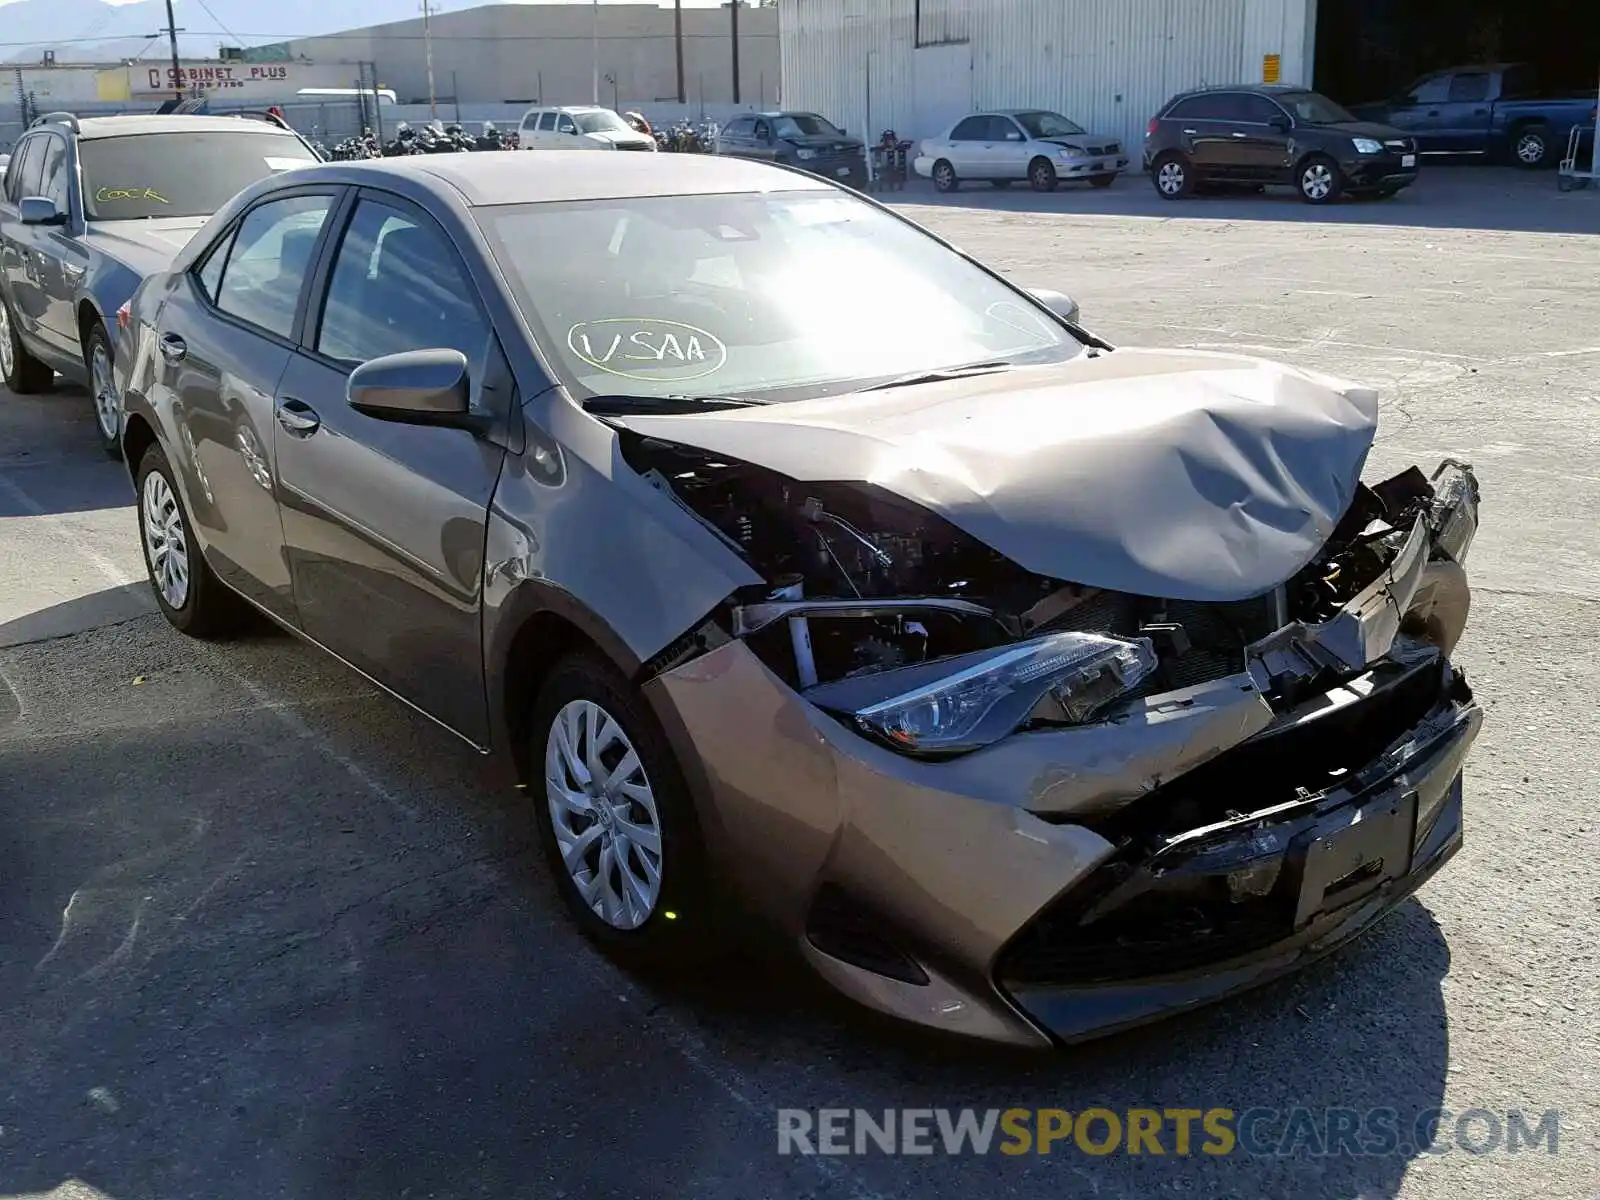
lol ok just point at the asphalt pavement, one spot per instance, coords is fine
(265, 933)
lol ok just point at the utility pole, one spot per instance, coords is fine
(427, 51)
(594, 48)
(172, 31)
(734, 9)
(677, 45)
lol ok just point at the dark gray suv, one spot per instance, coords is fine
(91, 207)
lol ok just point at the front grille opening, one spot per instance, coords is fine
(843, 927)
(1277, 768)
(1158, 909)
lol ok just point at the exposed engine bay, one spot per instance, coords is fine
(862, 581)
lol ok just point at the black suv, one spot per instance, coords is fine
(1258, 135)
(89, 208)
(800, 139)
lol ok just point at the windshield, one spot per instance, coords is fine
(179, 174)
(604, 121)
(1048, 125)
(1311, 108)
(803, 125)
(775, 296)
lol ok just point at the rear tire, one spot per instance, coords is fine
(98, 360)
(1319, 180)
(944, 177)
(1530, 147)
(639, 885)
(24, 374)
(193, 600)
(1042, 175)
(1173, 176)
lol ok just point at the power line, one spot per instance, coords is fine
(232, 37)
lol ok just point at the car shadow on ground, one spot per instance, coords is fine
(268, 932)
(50, 434)
(1452, 196)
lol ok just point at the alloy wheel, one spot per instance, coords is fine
(166, 542)
(604, 814)
(8, 355)
(1316, 181)
(1170, 178)
(107, 405)
(1530, 149)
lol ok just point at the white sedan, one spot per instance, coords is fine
(1007, 145)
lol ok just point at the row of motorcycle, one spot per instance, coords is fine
(682, 137)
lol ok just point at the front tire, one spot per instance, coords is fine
(193, 600)
(1172, 176)
(1319, 180)
(944, 177)
(615, 819)
(1042, 175)
(1530, 147)
(103, 391)
(24, 374)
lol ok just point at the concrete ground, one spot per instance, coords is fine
(267, 934)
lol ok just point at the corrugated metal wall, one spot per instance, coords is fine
(1108, 64)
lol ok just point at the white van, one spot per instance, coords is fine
(579, 127)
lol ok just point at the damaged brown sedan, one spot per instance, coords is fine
(809, 571)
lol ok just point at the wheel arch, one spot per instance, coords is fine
(535, 626)
(138, 435)
(89, 316)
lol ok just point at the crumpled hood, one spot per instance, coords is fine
(1161, 473)
(146, 246)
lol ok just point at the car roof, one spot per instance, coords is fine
(507, 178)
(1013, 112)
(569, 108)
(1259, 89)
(135, 123)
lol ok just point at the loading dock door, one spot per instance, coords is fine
(942, 86)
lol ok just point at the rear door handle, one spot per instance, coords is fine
(298, 417)
(1239, 133)
(1191, 132)
(173, 347)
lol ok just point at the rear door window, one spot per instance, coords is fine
(1200, 108)
(973, 129)
(1469, 87)
(269, 261)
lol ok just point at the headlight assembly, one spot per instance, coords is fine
(958, 704)
(1366, 146)
(805, 154)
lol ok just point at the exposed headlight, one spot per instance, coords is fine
(1071, 151)
(805, 153)
(972, 700)
(1367, 146)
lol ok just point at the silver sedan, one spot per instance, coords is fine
(1007, 145)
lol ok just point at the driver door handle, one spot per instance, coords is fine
(298, 417)
(1239, 133)
(173, 347)
(1191, 132)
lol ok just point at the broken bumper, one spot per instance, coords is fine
(955, 894)
(1248, 902)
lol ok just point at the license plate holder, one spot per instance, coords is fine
(1355, 852)
(1408, 160)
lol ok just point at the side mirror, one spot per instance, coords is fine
(40, 210)
(418, 387)
(1063, 305)
(1281, 123)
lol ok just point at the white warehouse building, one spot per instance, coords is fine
(917, 66)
